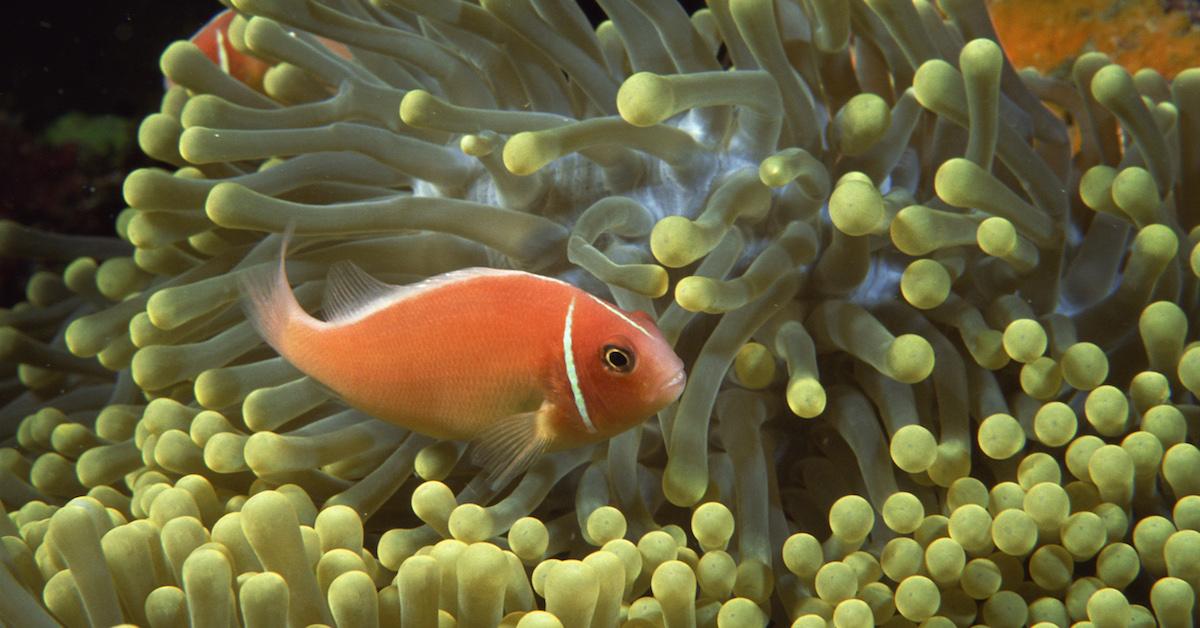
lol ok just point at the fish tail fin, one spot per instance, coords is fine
(268, 300)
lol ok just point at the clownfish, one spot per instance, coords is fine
(213, 40)
(517, 363)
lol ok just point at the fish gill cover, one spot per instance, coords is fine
(939, 358)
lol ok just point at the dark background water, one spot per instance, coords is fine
(93, 57)
(100, 57)
(85, 70)
(96, 62)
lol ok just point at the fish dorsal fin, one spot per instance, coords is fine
(349, 291)
(509, 446)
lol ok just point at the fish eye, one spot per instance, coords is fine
(618, 359)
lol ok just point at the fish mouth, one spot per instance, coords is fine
(670, 390)
(676, 382)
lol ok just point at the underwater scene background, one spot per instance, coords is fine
(931, 271)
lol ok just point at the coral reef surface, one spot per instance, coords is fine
(1050, 34)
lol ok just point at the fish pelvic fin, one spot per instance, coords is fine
(268, 300)
(511, 445)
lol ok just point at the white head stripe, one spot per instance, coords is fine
(572, 374)
(622, 316)
(222, 54)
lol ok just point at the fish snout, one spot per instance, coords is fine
(673, 387)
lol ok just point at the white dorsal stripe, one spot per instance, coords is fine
(355, 303)
(572, 374)
(621, 315)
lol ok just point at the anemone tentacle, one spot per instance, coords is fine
(940, 368)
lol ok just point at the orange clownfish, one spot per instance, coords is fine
(518, 363)
(213, 40)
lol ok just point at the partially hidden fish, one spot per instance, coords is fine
(214, 41)
(519, 364)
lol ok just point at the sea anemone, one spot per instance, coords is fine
(939, 362)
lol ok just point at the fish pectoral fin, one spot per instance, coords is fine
(511, 445)
(349, 290)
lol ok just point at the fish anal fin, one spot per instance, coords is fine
(511, 445)
(349, 290)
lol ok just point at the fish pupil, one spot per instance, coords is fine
(618, 358)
